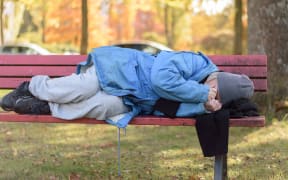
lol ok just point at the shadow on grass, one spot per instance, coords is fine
(262, 155)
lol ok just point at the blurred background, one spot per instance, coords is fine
(79, 25)
(210, 26)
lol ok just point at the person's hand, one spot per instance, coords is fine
(212, 93)
(213, 105)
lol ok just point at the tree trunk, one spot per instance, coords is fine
(43, 23)
(84, 32)
(1, 21)
(267, 34)
(238, 27)
(167, 25)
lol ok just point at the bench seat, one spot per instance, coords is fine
(257, 121)
(15, 69)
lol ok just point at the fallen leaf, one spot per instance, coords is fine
(74, 176)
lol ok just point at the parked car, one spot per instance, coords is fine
(146, 46)
(23, 48)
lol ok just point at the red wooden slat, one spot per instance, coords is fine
(255, 60)
(260, 84)
(36, 70)
(258, 121)
(40, 59)
(60, 70)
(10, 83)
(251, 71)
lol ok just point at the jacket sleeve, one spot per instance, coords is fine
(191, 109)
(170, 78)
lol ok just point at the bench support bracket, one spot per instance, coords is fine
(220, 167)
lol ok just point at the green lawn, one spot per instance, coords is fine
(50, 151)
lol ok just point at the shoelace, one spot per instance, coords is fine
(25, 98)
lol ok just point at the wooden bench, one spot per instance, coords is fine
(15, 69)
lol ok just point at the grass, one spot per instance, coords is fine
(57, 151)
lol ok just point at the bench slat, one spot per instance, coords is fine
(255, 60)
(10, 83)
(258, 121)
(250, 71)
(6, 71)
(241, 60)
(41, 60)
(260, 84)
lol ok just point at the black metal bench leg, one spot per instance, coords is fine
(220, 167)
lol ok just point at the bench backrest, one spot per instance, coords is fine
(14, 69)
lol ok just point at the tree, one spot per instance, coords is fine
(1, 21)
(267, 34)
(174, 10)
(33, 23)
(238, 27)
(43, 22)
(84, 29)
(63, 22)
(11, 19)
(122, 19)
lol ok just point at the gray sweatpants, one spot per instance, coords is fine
(77, 95)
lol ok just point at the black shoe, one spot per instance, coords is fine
(8, 102)
(31, 105)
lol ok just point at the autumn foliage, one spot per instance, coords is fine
(180, 24)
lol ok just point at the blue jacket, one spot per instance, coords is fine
(141, 79)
